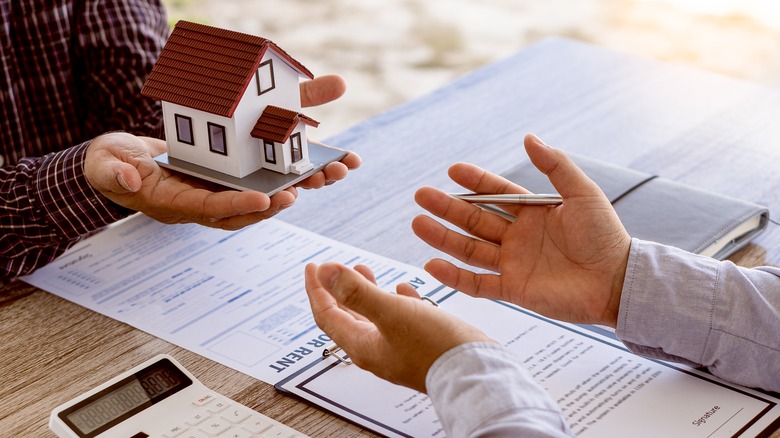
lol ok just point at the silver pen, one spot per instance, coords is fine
(509, 198)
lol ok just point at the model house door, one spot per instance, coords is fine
(296, 151)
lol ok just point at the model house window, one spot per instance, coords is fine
(217, 138)
(295, 147)
(184, 129)
(265, 77)
(270, 152)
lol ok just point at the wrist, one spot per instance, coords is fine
(616, 286)
(69, 200)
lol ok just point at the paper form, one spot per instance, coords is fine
(237, 298)
(603, 389)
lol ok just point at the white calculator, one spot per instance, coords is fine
(160, 399)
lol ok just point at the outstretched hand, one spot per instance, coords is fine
(121, 167)
(566, 262)
(396, 337)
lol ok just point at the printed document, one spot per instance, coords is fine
(602, 388)
(237, 298)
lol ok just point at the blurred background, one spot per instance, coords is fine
(391, 51)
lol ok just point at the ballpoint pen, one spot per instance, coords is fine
(509, 198)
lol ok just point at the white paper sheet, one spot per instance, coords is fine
(237, 298)
(603, 389)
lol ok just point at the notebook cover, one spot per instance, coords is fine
(659, 209)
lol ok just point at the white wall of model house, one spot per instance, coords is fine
(244, 152)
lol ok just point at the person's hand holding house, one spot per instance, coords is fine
(121, 167)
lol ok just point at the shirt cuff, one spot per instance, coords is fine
(72, 205)
(479, 389)
(652, 305)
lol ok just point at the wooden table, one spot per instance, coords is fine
(692, 126)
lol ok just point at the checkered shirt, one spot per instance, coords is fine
(70, 70)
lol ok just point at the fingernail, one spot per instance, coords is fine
(539, 140)
(121, 180)
(328, 275)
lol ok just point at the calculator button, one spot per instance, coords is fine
(175, 431)
(279, 432)
(206, 399)
(218, 406)
(198, 418)
(234, 415)
(194, 434)
(214, 427)
(257, 424)
(236, 433)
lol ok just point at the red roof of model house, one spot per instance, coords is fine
(208, 69)
(276, 124)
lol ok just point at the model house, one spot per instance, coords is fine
(231, 101)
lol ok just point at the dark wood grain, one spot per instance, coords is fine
(687, 125)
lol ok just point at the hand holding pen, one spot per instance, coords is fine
(565, 260)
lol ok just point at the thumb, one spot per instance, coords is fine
(353, 291)
(322, 89)
(115, 176)
(127, 179)
(568, 179)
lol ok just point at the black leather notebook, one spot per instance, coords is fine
(661, 210)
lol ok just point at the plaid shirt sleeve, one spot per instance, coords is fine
(68, 72)
(47, 206)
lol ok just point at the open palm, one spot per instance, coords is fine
(121, 167)
(566, 262)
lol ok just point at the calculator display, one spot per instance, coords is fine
(125, 398)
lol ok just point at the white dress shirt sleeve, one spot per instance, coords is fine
(479, 389)
(675, 306)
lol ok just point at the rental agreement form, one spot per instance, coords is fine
(237, 298)
(603, 389)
